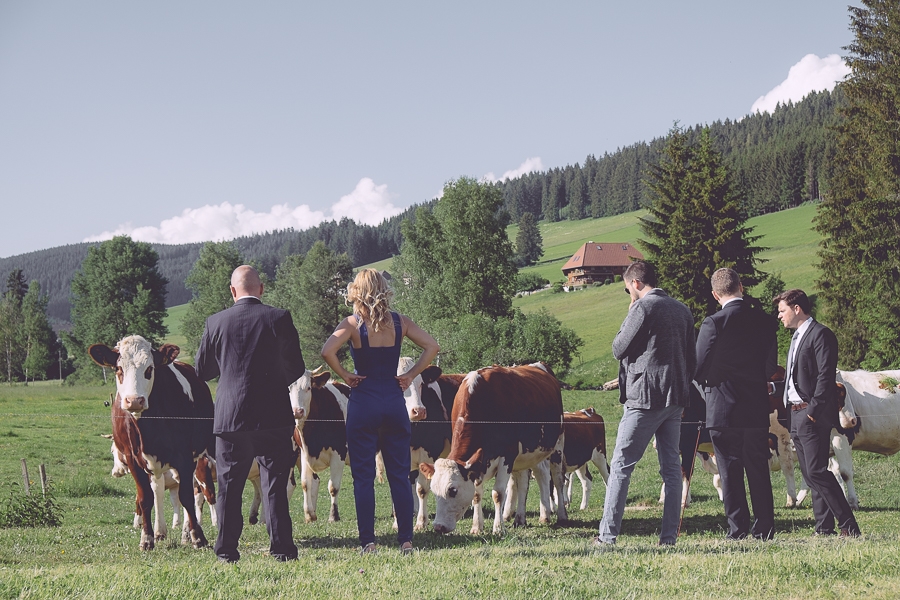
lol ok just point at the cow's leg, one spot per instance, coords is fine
(516, 480)
(335, 474)
(587, 482)
(546, 489)
(158, 485)
(309, 483)
(144, 502)
(192, 532)
(199, 502)
(176, 508)
(423, 487)
(557, 468)
(499, 496)
(255, 505)
(477, 512)
(842, 467)
(786, 462)
(137, 513)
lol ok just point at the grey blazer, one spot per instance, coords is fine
(657, 352)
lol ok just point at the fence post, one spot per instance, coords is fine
(25, 476)
(43, 480)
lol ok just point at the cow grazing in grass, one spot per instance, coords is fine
(504, 420)
(869, 421)
(162, 419)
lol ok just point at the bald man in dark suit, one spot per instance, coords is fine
(736, 354)
(254, 350)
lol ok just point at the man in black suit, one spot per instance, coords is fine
(736, 353)
(254, 350)
(811, 394)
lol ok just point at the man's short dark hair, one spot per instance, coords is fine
(726, 282)
(641, 270)
(794, 297)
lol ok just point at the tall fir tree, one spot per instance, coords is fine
(37, 335)
(697, 224)
(529, 242)
(860, 216)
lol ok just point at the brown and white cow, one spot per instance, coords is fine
(162, 419)
(253, 476)
(204, 491)
(504, 420)
(869, 421)
(585, 443)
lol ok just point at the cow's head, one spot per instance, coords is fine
(846, 413)
(454, 489)
(301, 392)
(135, 363)
(413, 394)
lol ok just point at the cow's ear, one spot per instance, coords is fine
(431, 374)
(103, 355)
(321, 379)
(474, 461)
(166, 354)
(842, 394)
(426, 470)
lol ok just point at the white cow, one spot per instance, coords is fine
(869, 420)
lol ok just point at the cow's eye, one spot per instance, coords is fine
(148, 373)
(452, 493)
(120, 374)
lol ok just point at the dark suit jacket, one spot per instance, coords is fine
(815, 373)
(255, 351)
(737, 352)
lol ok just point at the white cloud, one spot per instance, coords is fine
(810, 74)
(368, 203)
(530, 164)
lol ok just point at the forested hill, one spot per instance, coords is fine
(54, 267)
(778, 161)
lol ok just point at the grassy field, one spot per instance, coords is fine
(94, 554)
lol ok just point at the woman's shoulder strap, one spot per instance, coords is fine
(363, 331)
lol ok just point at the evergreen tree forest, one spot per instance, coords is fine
(777, 161)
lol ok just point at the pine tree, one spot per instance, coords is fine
(860, 216)
(37, 335)
(529, 243)
(697, 224)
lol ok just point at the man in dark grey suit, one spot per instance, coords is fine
(737, 350)
(254, 350)
(656, 348)
(811, 394)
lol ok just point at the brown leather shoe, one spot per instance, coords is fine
(848, 533)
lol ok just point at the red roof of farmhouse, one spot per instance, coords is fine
(604, 254)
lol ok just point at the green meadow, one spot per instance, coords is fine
(94, 553)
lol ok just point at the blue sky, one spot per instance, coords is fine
(181, 122)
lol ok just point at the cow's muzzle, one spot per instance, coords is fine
(418, 414)
(134, 404)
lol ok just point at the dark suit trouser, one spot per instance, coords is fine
(275, 454)
(740, 450)
(812, 442)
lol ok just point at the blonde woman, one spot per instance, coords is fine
(376, 415)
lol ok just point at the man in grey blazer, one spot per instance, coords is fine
(811, 395)
(254, 350)
(655, 347)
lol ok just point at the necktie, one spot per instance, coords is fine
(790, 365)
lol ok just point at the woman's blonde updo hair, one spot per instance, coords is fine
(371, 296)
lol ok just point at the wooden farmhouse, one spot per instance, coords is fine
(599, 261)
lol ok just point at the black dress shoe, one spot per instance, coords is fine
(824, 533)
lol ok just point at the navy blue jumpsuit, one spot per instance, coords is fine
(377, 419)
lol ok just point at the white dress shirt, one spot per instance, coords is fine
(791, 394)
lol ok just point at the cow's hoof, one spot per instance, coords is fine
(310, 518)
(147, 542)
(334, 517)
(253, 520)
(160, 537)
(198, 540)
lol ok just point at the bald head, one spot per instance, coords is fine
(245, 282)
